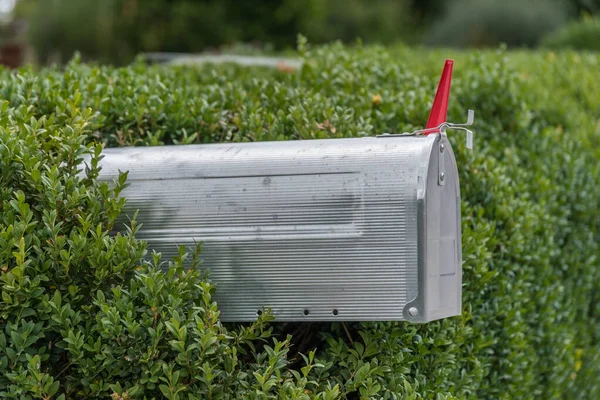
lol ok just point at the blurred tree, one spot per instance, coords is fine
(589, 6)
(428, 9)
(481, 23)
(116, 30)
(583, 34)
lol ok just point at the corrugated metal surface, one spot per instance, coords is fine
(314, 230)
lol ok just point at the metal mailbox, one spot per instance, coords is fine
(316, 230)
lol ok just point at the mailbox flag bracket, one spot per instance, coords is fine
(436, 122)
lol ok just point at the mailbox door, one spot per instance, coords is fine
(440, 255)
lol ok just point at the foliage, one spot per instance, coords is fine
(586, 6)
(483, 23)
(82, 315)
(579, 35)
(116, 31)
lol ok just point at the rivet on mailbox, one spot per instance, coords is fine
(359, 229)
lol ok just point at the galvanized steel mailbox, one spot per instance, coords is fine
(318, 230)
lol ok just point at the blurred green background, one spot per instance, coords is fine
(115, 31)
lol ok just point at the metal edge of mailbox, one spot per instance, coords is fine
(420, 309)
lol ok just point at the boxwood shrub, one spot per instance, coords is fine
(82, 315)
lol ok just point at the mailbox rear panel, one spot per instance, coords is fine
(313, 230)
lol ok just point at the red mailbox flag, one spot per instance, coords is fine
(439, 109)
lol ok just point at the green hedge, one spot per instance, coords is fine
(81, 316)
(578, 35)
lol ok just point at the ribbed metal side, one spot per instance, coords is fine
(313, 230)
